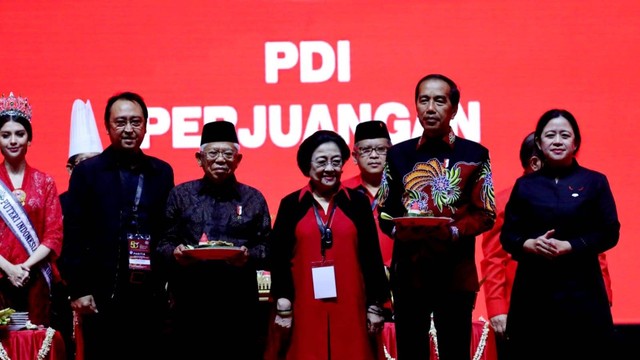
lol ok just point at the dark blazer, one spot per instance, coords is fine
(94, 256)
(578, 204)
(356, 207)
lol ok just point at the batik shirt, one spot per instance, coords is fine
(213, 298)
(232, 212)
(448, 177)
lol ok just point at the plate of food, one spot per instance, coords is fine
(422, 220)
(11, 327)
(5, 318)
(213, 250)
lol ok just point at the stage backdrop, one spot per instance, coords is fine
(281, 70)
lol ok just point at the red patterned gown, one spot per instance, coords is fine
(43, 208)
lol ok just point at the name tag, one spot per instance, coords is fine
(139, 251)
(324, 281)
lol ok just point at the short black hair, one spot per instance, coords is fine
(454, 94)
(20, 120)
(310, 144)
(71, 162)
(529, 149)
(127, 95)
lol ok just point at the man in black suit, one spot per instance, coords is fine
(114, 219)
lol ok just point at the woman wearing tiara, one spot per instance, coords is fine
(31, 226)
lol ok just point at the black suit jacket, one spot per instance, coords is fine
(94, 258)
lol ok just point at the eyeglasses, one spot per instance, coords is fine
(134, 122)
(367, 151)
(322, 163)
(213, 154)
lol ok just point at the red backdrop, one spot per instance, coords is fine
(283, 69)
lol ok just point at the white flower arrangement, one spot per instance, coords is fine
(44, 349)
(433, 335)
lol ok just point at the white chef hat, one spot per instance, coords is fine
(83, 137)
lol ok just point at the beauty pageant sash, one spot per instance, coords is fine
(16, 218)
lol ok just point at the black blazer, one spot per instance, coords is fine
(95, 216)
(356, 207)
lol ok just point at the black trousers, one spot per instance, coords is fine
(132, 326)
(452, 316)
(62, 317)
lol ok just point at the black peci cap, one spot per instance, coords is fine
(373, 129)
(218, 131)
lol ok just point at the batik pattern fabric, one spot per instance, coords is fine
(214, 297)
(448, 177)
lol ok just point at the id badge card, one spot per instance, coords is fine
(139, 251)
(324, 279)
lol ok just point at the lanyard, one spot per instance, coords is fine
(136, 199)
(374, 203)
(134, 223)
(326, 237)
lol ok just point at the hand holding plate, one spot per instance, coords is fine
(419, 228)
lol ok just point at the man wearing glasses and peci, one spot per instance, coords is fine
(371, 142)
(215, 299)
